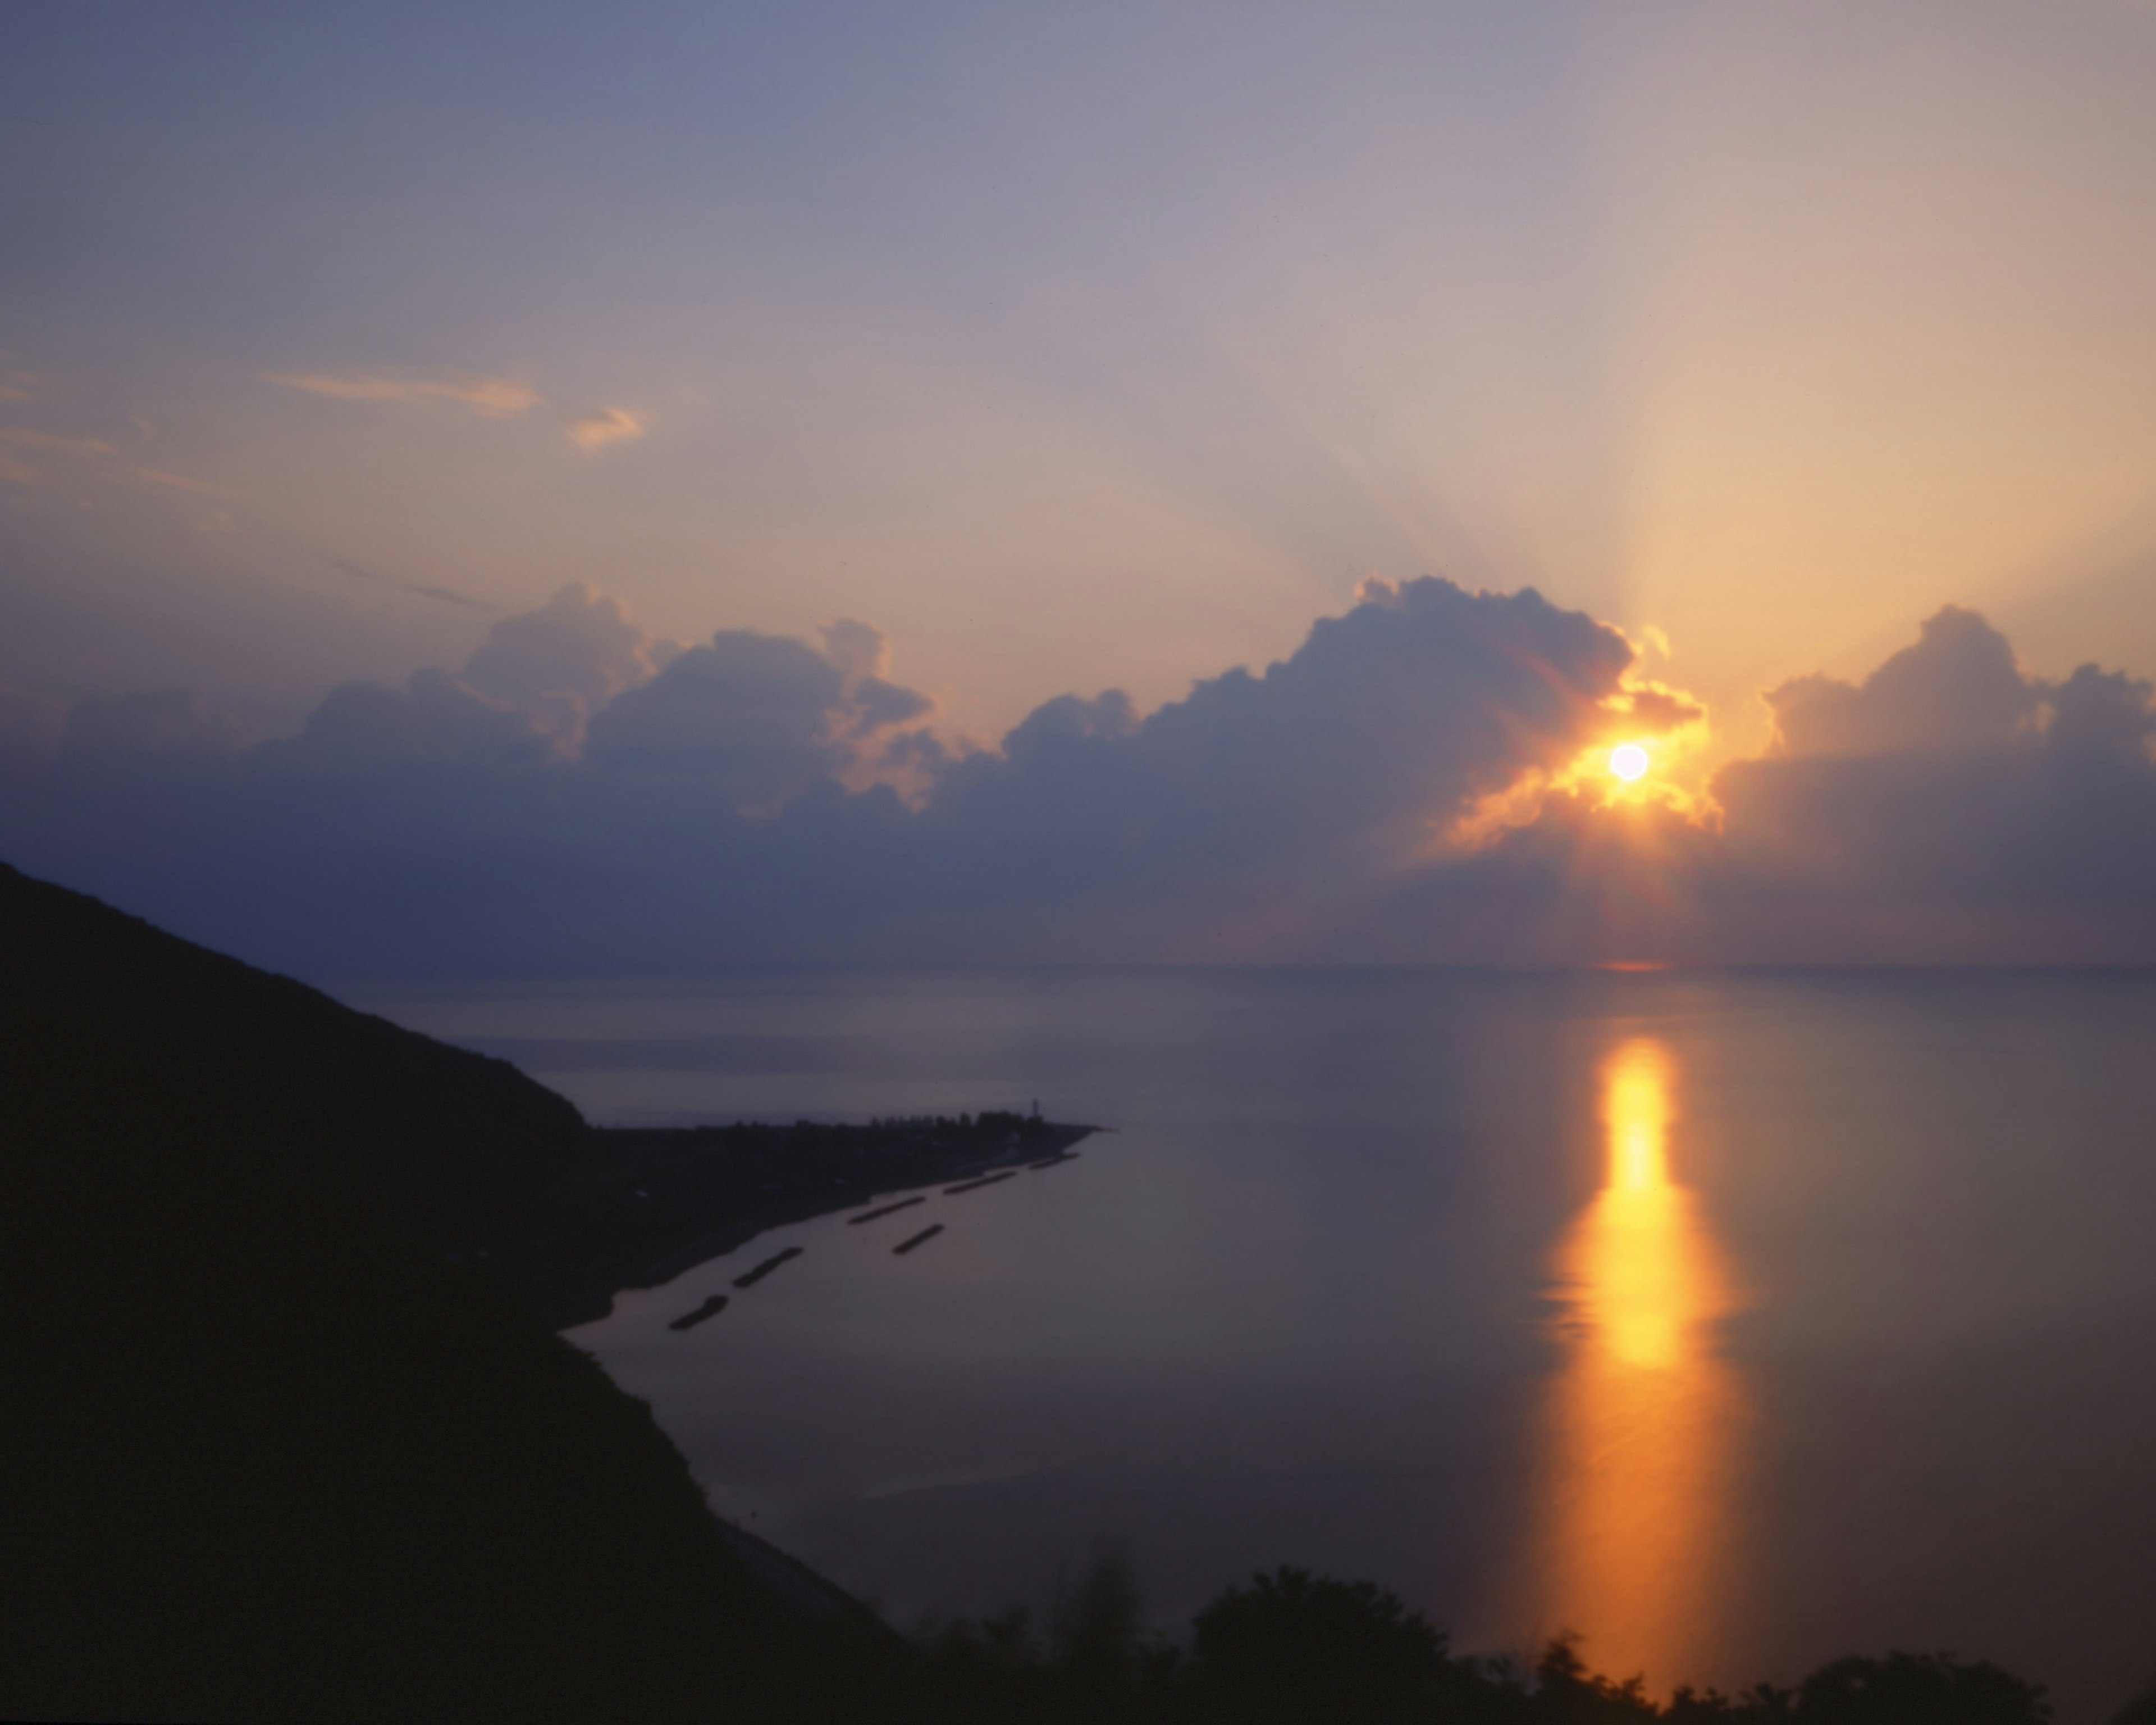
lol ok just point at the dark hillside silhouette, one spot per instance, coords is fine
(268, 1454)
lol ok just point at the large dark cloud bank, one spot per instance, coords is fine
(579, 799)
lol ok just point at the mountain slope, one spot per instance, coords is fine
(266, 1453)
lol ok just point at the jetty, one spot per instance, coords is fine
(888, 1210)
(648, 1204)
(710, 1308)
(765, 1268)
(976, 1185)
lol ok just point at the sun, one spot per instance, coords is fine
(1628, 761)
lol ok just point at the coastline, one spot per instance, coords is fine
(656, 1202)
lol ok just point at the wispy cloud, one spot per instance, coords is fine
(492, 398)
(52, 444)
(446, 595)
(449, 596)
(181, 482)
(601, 426)
(43, 447)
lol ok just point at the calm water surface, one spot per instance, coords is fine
(1732, 1321)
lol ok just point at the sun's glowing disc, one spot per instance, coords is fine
(1628, 761)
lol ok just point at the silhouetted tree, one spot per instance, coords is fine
(1099, 1631)
(1295, 1649)
(2142, 1713)
(1292, 1648)
(1755, 1706)
(1917, 1689)
(1567, 1693)
(989, 1670)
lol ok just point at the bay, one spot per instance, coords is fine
(1733, 1320)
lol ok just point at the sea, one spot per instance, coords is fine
(1729, 1321)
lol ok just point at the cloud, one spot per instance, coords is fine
(756, 719)
(590, 428)
(858, 649)
(578, 797)
(524, 695)
(1269, 802)
(91, 449)
(446, 595)
(1948, 809)
(877, 705)
(435, 718)
(872, 703)
(50, 445)
(1654, 709)
(19, 386)
(581, 643)
(600, 426)
(575, 798)
(747, 714)
(1957, 688)
(1951, 777)
(490, 397)
(2100, 715)
(753, 719)
(181, 482)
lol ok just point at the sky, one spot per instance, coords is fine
(999, 357)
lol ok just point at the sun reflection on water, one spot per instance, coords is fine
(1633, 1506)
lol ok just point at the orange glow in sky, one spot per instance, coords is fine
(1757, 389)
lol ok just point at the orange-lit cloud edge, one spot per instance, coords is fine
(1670, 725)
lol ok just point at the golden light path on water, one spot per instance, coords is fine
(1632, 1545)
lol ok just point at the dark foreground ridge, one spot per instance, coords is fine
(1291, 1648)
(278, 1444)
(285, 1439)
